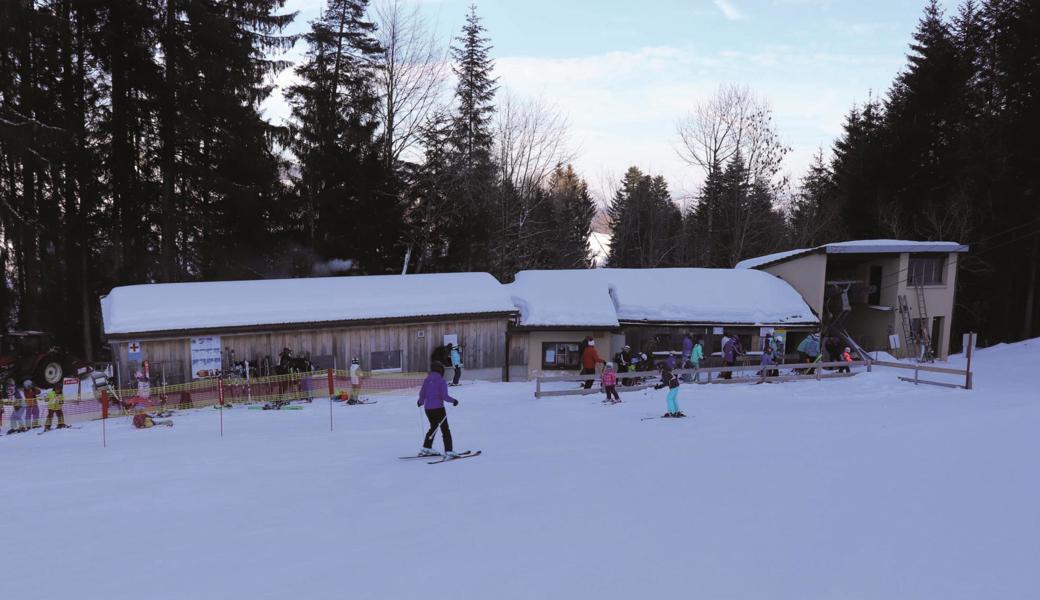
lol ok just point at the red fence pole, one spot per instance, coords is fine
(104, 417)
(332, 386)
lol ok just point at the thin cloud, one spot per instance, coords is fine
(728, 9)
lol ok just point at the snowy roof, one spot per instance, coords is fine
(856, 247)
(218, 304)
(604, 297)
(562, 298)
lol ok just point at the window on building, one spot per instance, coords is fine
(925, 270)
(560, 355)
(389, 360)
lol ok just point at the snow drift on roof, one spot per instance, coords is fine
(857, 247)
(562, 298)
(208, 305)
(724, 296)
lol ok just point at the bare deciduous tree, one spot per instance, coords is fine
(530, 141)
(412, 76)
(734, 120)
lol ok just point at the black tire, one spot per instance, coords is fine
(49, 373)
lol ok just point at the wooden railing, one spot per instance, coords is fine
(705, 372)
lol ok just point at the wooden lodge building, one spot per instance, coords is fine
(392, 323)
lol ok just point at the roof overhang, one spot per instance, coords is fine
(801, 325)
(263, 328)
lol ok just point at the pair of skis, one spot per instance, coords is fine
(443, 458)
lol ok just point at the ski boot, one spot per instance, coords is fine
(679, 414)
(667, 415)
(428, 452)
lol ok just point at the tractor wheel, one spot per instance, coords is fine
(50, 371)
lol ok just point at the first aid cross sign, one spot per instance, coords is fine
(133, 350)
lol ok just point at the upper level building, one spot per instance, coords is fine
(893, 295)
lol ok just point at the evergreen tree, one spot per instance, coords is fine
(645, 224)
(349, 210)
(473, 172)
(572, 210)
(815, 218)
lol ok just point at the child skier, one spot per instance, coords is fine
(846, 357)
(432, 396)
(355, 380)
(54, 404)
(17, 399)
(669, 380)
(32, 409)
(609, 383)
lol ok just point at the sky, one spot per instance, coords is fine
(623, 73)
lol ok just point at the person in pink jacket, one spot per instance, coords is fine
(609, 383)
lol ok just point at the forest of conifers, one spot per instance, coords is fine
(133, 149)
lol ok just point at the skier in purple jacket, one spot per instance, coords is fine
(432, 396)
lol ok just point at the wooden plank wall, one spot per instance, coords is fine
(483, 341)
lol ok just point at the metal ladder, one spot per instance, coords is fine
(925, 337)
(908, 329)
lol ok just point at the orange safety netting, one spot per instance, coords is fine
(208, 392)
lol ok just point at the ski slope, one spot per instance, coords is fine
(865, 488)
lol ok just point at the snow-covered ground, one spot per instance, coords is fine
(853, 488)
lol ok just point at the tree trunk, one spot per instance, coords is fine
(168, 140)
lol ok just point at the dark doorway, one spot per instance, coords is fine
(874, 298)
(937, 331)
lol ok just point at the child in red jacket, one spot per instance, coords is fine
(609, 383)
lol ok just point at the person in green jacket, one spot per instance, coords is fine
(696, 356)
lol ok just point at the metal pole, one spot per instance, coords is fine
(967, 370)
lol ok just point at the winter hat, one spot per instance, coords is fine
(27, 383)
(847, 349)
(592, 342)
(354, 361)
(437, 366)
(610, 365)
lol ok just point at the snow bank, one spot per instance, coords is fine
(207, 305)
(723, 296)
(857, 247)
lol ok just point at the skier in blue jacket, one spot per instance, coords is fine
(456, 362)
(432, 396)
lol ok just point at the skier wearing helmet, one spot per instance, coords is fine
(355, 380)
(609, 383)
(846, 357)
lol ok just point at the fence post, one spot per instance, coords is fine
(104, 417)
(917, 373)
(220, 400)
(332, 385)
(967, 369)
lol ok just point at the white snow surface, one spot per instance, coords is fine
(866, 488)
(725, 296)
(200, 305)
(858, 247)
(599, 243)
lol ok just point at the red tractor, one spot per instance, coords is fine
(33, 355)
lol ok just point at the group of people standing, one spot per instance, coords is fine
(25, 413)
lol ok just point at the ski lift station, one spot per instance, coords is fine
(865, 291)
(891, 295)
